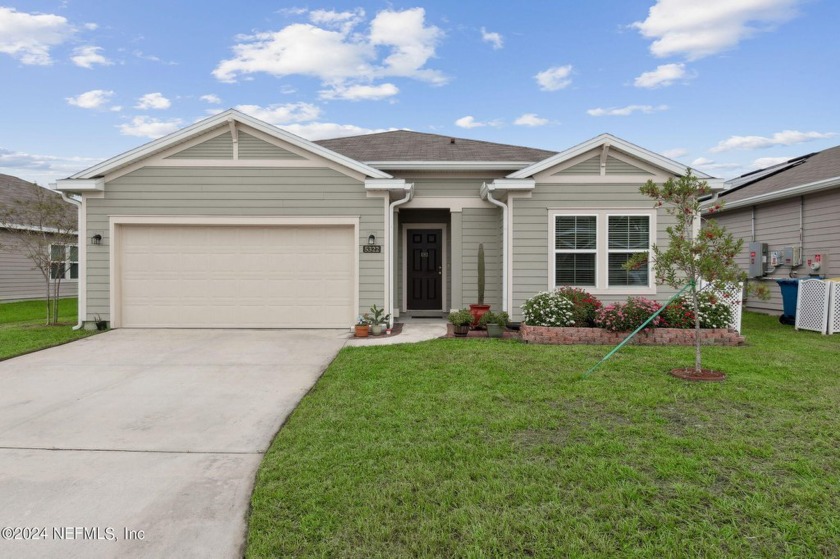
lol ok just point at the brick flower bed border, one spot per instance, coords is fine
(657, 336)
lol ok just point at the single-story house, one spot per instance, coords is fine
(232, 222)
(794, 205)
(19, 278)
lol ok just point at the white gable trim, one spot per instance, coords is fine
(222, 119)
(647, 156)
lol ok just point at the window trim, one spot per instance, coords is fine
(68, 263)
(602, 250)
(555, 251)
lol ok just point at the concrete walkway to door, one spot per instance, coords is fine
(159, 431)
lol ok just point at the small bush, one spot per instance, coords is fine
(501, 318)
(461, 317)
(548, 308)
(714, 312)
(624, 317)
(585, 305)
(678, 314)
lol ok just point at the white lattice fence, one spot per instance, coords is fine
(732, 295)
(834, 308)
(812, 305)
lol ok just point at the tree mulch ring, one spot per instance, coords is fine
(705, 375)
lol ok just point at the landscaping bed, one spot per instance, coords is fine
(658, 336)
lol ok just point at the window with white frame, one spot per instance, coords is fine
(591, 247)
(64, 262)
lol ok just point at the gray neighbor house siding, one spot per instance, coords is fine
(218, 191)
(19, 279)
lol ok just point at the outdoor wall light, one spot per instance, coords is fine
(372, 239)
(96, 239)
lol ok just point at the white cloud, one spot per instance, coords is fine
(530, 119)
(29, 37)
(663, 76)
(152, 58)
(93, 99)
(627, 111)
(493, 38)
(711, 165)
(764, 162)
(556, 77)
(42, 169)
(323, 130)
(91, 26)
(148, 127)
(360, 92)
(211, 98)
(470, 122)
(153, 101)
(675, 152)
(282, 114)
(89, 55)
(396, 44)
(784, 138)
(697, 29)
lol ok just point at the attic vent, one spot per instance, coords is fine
(451, 140)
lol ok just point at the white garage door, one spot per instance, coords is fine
(236, 276)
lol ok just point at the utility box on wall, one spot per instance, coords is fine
(758, 259)
(817, 264)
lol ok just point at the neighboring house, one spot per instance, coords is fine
(232, 222)
(795, 204)
(19, 278)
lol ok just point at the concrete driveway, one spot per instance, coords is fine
(159, 431)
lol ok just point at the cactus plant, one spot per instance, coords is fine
(481, 272)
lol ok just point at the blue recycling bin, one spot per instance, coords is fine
(790, 291)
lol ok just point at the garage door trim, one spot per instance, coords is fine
(116, 248)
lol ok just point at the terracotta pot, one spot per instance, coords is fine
(461, 329)
(477, 311)
(362, 331)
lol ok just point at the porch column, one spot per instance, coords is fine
(456, 239)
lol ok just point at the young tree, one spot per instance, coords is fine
(42, 227)
(698, 249)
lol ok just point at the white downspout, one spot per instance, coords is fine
(485, 193)
(391, 249)
(82, 230)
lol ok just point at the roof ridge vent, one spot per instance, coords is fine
(451, 140)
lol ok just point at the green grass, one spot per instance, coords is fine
(22, 328)
(486, 448)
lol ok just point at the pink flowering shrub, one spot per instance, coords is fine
(625, 317)
(585, 306)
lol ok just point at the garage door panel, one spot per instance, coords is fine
(257, 277)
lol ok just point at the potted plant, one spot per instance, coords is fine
(480, 308)
(461, 321)
(362, 328)
(495, 322)
(377, 319)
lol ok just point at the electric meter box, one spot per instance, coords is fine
(792, 257)
(817, 264)
(758, 259)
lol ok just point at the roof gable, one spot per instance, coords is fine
(644, 155)
(216, 122)
(409, 146)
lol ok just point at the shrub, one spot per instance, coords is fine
(714, 312)
(461, 317)
(548, 308)
(501, 318)
(678, 314)
(585, 305)
(624, 317)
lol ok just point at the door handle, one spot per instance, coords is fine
(440, 270)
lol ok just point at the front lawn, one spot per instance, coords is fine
(488, 448)
(22, 328)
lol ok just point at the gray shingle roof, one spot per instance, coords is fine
(819, 166)
(404, 145)
(14, 190)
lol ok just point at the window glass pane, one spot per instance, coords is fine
(575, 232)
(56, 270)
(74, 271)
(73, 254)
(574, 269)
(629, 232)
(618, 276)
(56, 253)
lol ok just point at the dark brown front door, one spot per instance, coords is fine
(425, 272)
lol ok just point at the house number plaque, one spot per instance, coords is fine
(372, 248)
(424, 254)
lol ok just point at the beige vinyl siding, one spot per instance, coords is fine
(618, 167)
(591, 166)
(777, 224)
(254, 148)
(204, 191)
(19, 279)
(482, 226)
(531, 224)
(220, 147)
(463, 188)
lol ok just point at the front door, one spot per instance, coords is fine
(424, 267)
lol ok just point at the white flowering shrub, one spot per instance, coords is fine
(714, 312)
(548, 308)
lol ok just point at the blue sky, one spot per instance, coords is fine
(726, 86)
